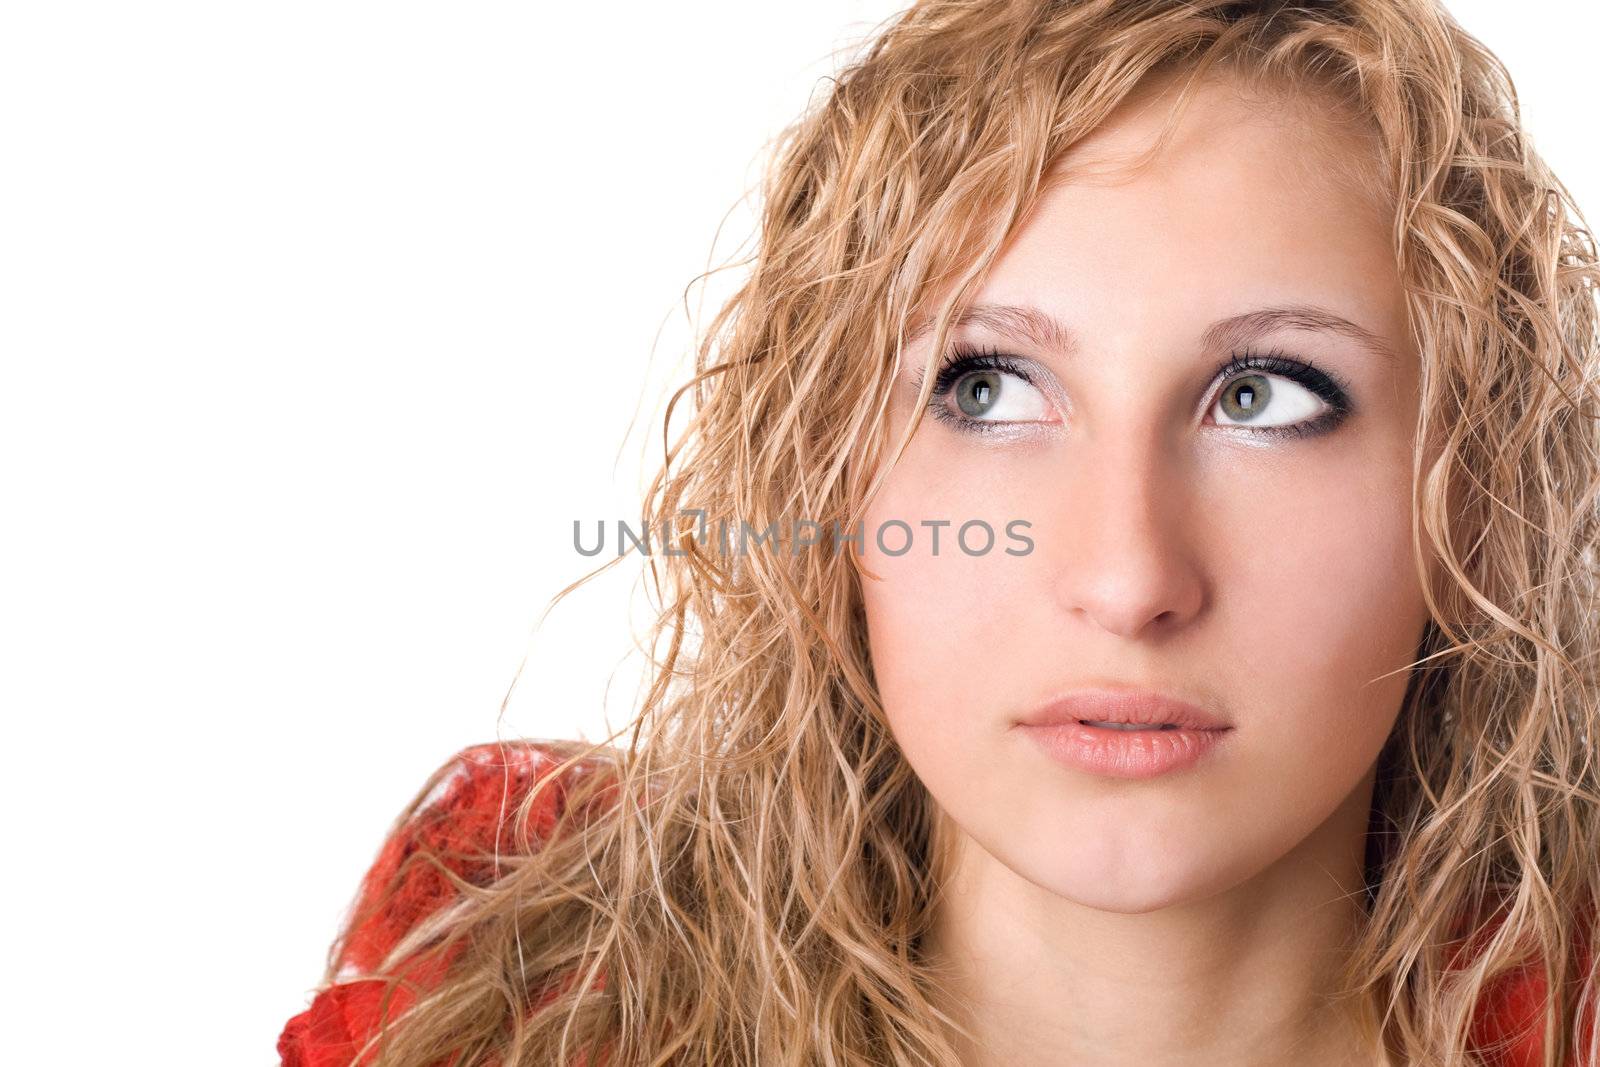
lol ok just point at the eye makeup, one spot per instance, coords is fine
(962, 359)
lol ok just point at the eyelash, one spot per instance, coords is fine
(963, 359)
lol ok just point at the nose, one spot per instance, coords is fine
(1128, 559)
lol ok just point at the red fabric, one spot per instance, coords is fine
(1508, 1027)
(478, 797)
(458, 822)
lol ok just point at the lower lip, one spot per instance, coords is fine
(1124, 753)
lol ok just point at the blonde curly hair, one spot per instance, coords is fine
(761, 893)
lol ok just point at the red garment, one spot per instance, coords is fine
(1507, 1030)
(479, 795)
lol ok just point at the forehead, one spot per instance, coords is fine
(1312, 131)
(1254, 196)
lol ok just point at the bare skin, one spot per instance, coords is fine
(1197, 917)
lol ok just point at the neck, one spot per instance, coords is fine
(1245, 976)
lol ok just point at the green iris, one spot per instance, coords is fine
(1246, 397)
(978, 392)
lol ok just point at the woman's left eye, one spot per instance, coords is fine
(1278, 396)
(1254, 400)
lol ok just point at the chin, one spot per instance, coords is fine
(1126, 883)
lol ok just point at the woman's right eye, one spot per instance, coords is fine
(987, 390)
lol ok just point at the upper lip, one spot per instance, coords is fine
(1122, 705)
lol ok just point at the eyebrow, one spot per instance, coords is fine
(1042, 330)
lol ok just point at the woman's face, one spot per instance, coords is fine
(1239, 541)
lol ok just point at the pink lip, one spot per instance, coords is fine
(1058, 729)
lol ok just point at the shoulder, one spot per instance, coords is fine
(454, 830)
(463, 817)
(1508, 1022)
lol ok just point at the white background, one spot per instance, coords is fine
(321, 323)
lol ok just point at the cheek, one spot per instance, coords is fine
(941, 618)
(1325, 605)
(1321, 615)
(934, 625)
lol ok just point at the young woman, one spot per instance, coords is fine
(1190, 657)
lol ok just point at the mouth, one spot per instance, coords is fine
(1113, 732)
(1129, 710)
